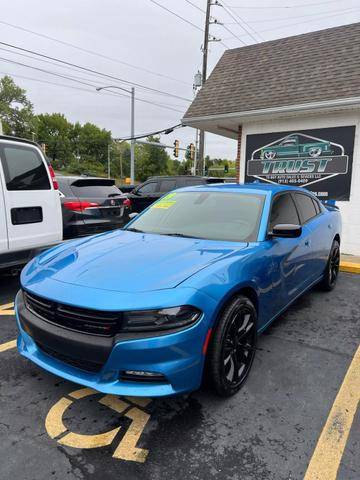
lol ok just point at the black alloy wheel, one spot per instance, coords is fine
(233, 346)
(332, 267)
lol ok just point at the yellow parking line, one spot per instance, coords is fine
(5, 309)
(326, 458)
(7, 346)
(7, 306)
(350, 267)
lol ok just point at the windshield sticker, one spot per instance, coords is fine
(164, 202)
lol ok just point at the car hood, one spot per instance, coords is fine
(127, 262)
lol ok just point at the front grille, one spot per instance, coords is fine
(74, 362)
(105, 324)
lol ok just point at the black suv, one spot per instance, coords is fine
(91, 205)
(155, 187)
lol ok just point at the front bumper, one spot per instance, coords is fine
(177, 356)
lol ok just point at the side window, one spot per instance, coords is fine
(283, 211)
(167, 185)
(189, 182)
(306, 207)
(24, 169)
(148, 188)
(317, 206)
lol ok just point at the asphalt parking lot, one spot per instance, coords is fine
(54, 429)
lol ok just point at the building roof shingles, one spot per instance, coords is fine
(317, 66)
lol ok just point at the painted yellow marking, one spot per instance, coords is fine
(53, 422)
(126, 449)
(114, 402)
(7, 345)
(350, 267)
(326, 458)
(76, 440)
(7, 309)
(7, 306)
(82, 393)
(142, 402)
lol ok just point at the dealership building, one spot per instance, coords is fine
(293, 105)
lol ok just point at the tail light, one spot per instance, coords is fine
(53, 178)
(80, 206)
(127, 203)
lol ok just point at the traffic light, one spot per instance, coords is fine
(192, 151)
(176, 148)
(226, 168)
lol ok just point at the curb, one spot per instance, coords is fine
(350, 267)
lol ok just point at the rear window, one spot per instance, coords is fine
(24, 168)
(95, 188)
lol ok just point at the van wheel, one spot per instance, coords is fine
(233, 347)
(332, 268)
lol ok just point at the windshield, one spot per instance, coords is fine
(209, 215)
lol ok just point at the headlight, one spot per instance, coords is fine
(164, 319)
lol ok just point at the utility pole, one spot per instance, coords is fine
(204, 73)
(108, 159)
(132, 146)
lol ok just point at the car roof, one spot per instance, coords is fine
(20, 140)
(72, 178)
(259, 188)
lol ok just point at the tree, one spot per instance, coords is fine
(16, 111)
(93, 142)
(151, 160)
(56, 132)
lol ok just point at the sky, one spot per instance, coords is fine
(144, 45)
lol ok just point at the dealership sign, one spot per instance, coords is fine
(319, 160)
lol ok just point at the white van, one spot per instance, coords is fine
(30, 208)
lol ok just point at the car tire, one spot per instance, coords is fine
(332, 268)
(228, 362)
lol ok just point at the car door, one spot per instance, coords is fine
(290, 255)
(320, 236)
(3, 224)
(144, 195)
(289, 148)
(33, 212)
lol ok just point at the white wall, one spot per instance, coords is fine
(350, 211)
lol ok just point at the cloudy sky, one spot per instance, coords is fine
(140, 42)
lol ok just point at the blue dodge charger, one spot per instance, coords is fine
(183, 290)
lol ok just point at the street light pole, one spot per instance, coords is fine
(132, 145)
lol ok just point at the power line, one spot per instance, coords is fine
(345, 12)
(240, 19)
(195, 6)
(91, 52)
(233, 34)
(164, 130)
(95, 78)
(94, 71)
(301, 16)
(86, 83)
(176, 15)
(301, 5)
(99, 82)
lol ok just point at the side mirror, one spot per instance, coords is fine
(133, 215)
(286, 231)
